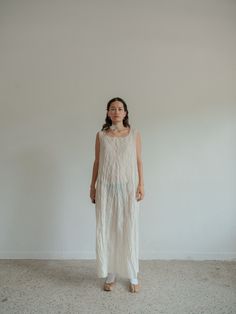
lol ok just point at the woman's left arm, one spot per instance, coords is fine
(140, 189)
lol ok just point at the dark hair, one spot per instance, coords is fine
(108, 121)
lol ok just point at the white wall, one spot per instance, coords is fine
(174, 64)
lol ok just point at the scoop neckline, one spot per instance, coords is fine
(118, 136)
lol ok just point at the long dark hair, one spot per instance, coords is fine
(108, 121)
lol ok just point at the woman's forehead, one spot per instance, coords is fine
(117, 104)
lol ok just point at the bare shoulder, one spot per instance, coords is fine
(138, 134)
(98, 134)
(98, 138)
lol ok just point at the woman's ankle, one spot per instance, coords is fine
(134, 281)
(111, 277)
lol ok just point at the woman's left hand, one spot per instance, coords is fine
(140, 193)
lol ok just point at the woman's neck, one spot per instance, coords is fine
(117, 126)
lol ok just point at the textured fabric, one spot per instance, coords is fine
(117, 209)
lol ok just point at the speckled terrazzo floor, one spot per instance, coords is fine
(71, 286)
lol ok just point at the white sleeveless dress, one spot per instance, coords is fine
(117, 209)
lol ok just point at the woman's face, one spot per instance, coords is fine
(116, 111)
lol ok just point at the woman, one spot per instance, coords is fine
(118, 175)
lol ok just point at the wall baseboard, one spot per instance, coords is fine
(148, 255)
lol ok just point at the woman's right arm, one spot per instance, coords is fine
(95, 169)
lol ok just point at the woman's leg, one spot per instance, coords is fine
(134, 285)
(111, 277)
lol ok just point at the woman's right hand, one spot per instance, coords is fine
(93, 194)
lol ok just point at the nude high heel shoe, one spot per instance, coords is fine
(109, 286)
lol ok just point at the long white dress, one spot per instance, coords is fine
(117, 209)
